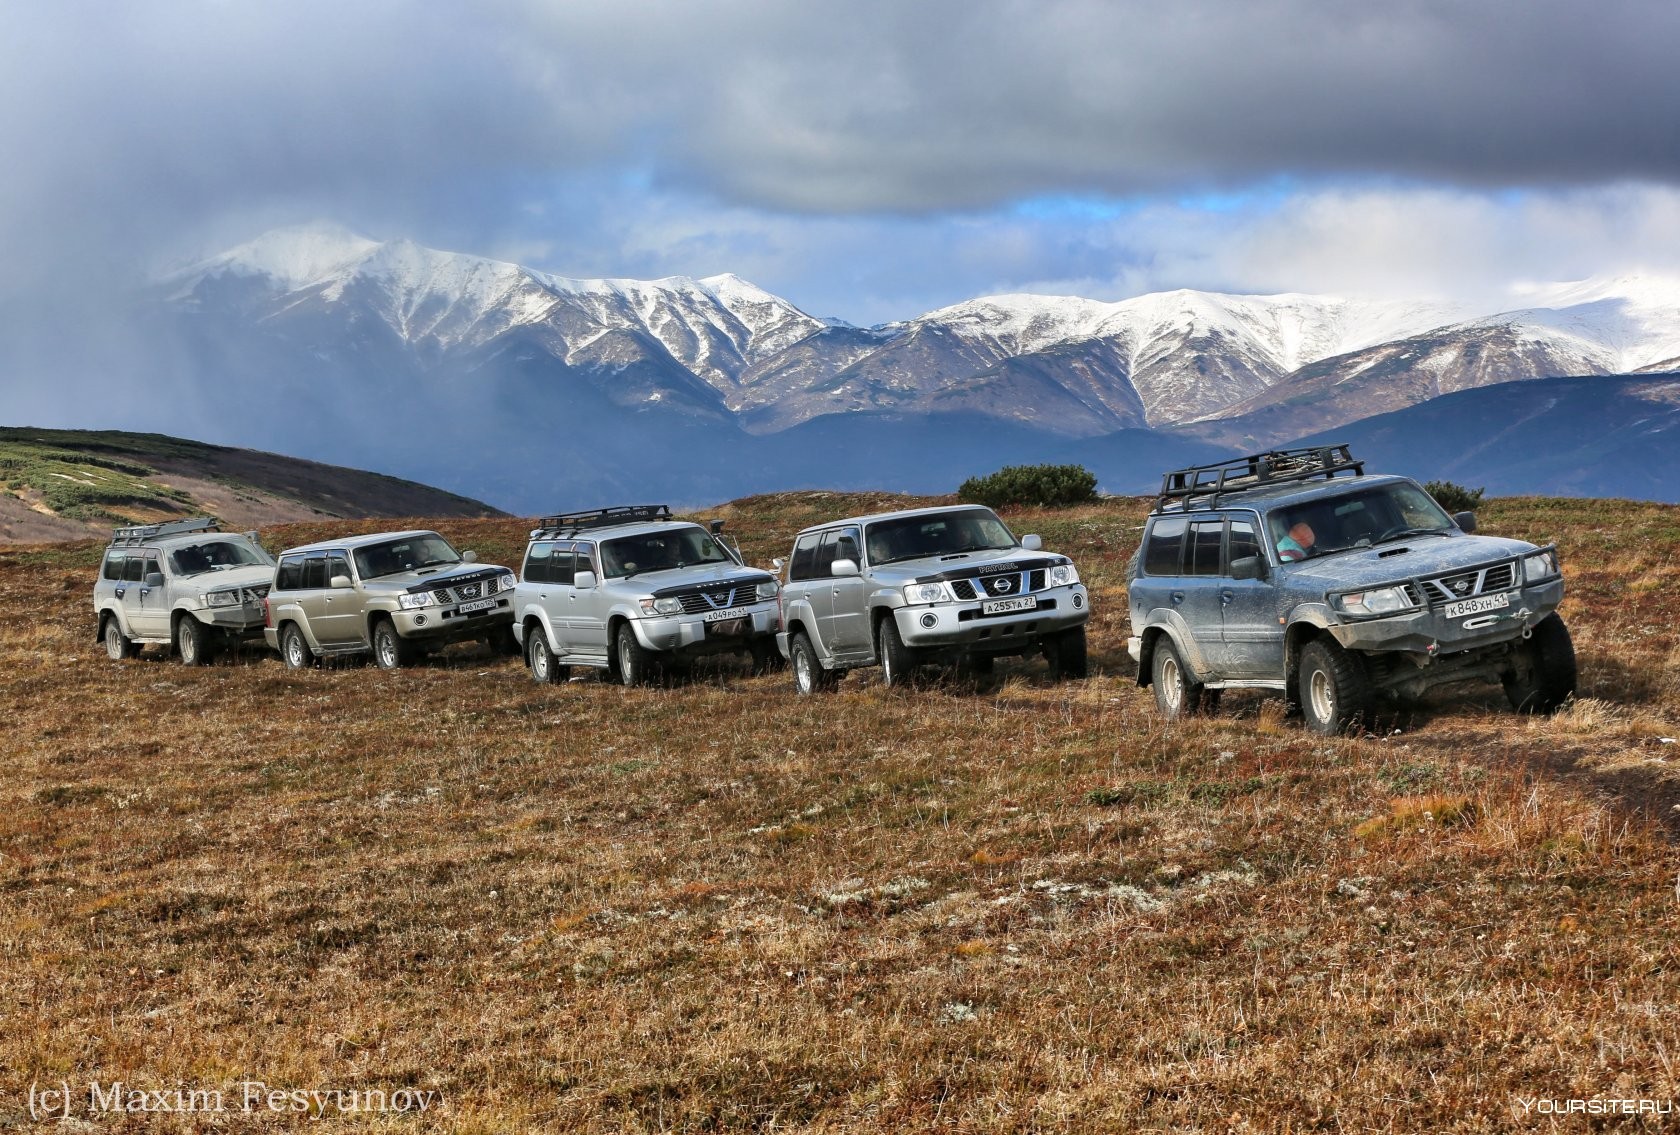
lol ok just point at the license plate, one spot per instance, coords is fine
(726, 613)
(1477, 605)
(1004, 606)
(476, 605)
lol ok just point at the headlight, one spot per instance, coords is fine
(1541, 566)
(928, 593)
(769, 590)
(415, 600)
(222, 599)
(1378, 601)
(506, 582)
(1063, 574)
(670, 605)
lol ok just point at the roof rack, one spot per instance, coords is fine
(140, 533)
(1279, 467)
(601, 518)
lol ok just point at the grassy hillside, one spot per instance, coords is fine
(1001, 906)
(59, 484)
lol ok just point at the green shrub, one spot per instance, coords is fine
(1454, 498)
(1042, 485)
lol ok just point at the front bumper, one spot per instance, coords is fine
(449, 624)
(694, 634)
(965, 625)
(1431, 632)
(245, 621)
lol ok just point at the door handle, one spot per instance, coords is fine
(121, 591)
(1177, 596)
(1227, 596)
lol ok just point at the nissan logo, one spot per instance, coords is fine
(1002, 585)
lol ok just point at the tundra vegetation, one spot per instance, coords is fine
(992, 904)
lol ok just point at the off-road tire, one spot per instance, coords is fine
(1177, 692)
(118, 646)
(390, 650)
(1543, 673)
(809, 674)
(898, 662)
(540, 658)
(294, 648)
(635, 662)
(1334, 690)
(194, 642)
(1067, 655)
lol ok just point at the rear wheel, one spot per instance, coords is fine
(1543, 670)
(1066, 652)
(390, 650)
(193, 641)
(809, 675)
(294, 648)
(635, 663)
(541, 659)
(118, 645)
(1335, 695)
(1177, 692)
(898, 661)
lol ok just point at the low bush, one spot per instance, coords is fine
(1044, 486)
(1454, 498)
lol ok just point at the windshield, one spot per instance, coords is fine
(659, 551)
(217, 555)
(407, 554)
(1356, 520)
(936, 534)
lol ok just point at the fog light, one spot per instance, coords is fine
(930, 620)
(1078, 601)
(419, 620)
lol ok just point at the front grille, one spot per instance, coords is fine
(466, 592)
(1464, 584)
(1001, 586)
(964, 588)
(253, 594)
(717, 598)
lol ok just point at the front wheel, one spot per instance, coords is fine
(192, 641)
(1335, 694)
(541, 660)
(635, 663)
(390, 650)
(1067, 655)
(1543, 672)
(1177, 692)
(898, 661)
(294, 648)
(118, 646)
(809, 674)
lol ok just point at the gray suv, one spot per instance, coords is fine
(185, 585)
(626, 589)
(396, 594)
(930, 584)
(1298, 572)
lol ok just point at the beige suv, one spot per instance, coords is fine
(396, 594)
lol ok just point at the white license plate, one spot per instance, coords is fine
(1477, 605)
(726, 613)
(1004, 606)
(477, 605)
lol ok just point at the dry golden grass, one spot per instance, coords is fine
(1002, 906)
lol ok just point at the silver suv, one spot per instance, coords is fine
(394, 593)
(186, 585)
(627, 588)
(926, 584)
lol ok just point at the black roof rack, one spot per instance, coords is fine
(1279, 467)
(140, 533)
(602, 518)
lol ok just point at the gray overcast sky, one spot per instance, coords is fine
(868, 160)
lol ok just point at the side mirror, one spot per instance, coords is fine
(844, 568)
(717, 526)
(584, 579)
(339, 582)
(153, 579)
(1248, 567)
(469, 557)
(1031, 543)
(1465, 520)
(777, 564)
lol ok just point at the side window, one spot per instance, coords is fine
(337, 564)
(562, 565)
(290, 575)
(1162, 547)
(847, 546)
(315, 572)
(585, 561)
(133, 568)
(113, 565)
(827, 552)
(1245, 541)
(537, 561)
(804, 564)
(1205, 538)
(153, 565)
